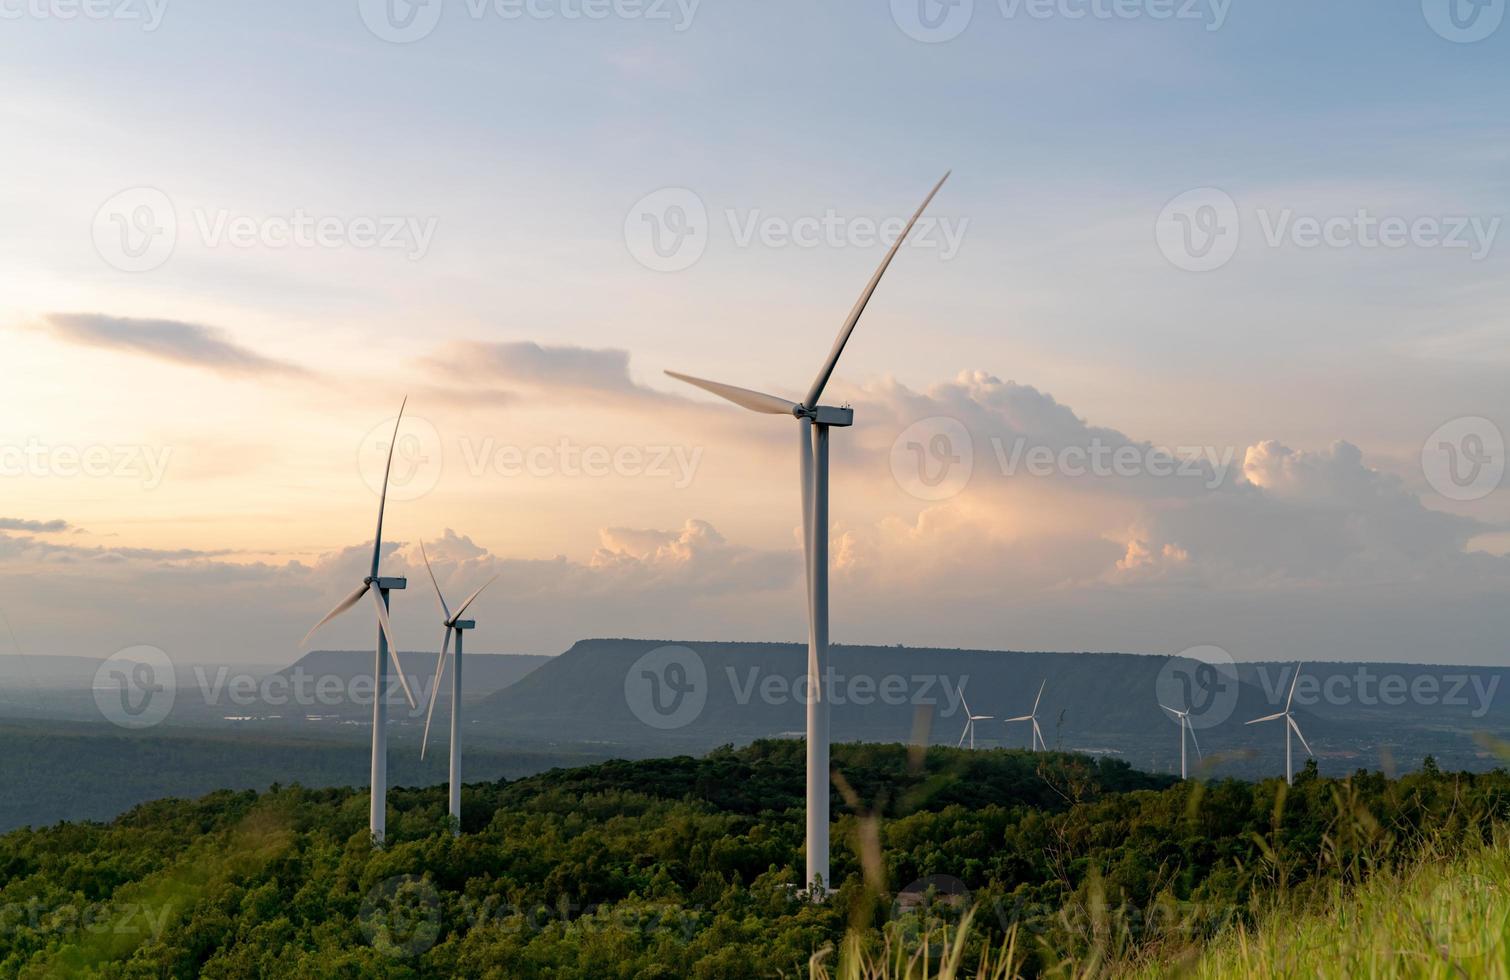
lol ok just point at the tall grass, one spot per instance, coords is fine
(1439, 917)
(933, 956)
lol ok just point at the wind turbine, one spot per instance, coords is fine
(1290, 724)
(1035, 737)
(814, 421)
(378, 587)
(450, 622)
(970, 720)
(1183, 717)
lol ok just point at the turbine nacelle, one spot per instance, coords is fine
(827, 415)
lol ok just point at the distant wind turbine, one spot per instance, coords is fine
(1183, 717)
(814, 422)
(450, 622)
(970, 720)
(1035, 737)
(1290, 724)
(378, 587)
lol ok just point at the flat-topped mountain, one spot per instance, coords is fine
(649, 696)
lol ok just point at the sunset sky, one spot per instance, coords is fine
(214, 296)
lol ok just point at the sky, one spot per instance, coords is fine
(1262, 238)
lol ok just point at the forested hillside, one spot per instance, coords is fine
(682, 867)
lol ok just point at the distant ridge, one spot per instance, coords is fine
(1099, 702)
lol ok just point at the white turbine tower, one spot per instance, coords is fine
(378, 587)
(970, 720)
(1183, 717)
(450, 622)
(1290, 724)
(814, 422)
(1035, 737)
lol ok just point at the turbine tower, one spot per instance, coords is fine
(1290, 724)
(970, 720)
(1035, 737)
(814, 421)
(1183, 717)
(378, 587)
(449, 622)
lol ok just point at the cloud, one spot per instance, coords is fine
(1303, 552)
(499, 372)
(32, 549)
(453, 547)
(192, 344)
(1320, 517)
(37, 527)
(696, 553)
(1265, 548)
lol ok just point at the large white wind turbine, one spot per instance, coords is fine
(1290, 724)
(1035, 737)
(1183, 717)
(970, 720)
(814, 422)
(378, 587)
(450, 622)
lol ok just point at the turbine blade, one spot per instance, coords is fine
(821, 381)
(964, 702)
(1277, 714)
(377, 538)
(1039, 732)
(474, 595)
(403, 681)
(1019, 718)
(445, 613)
(962, 735)
(1191, 729)
(1040, 695)
(382, 615)
(1295, 725)
(1293, 682)
(341, 607)
(755, 401)
(1170, 710)
(440, 671)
